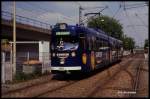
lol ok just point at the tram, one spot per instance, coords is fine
(77, 48)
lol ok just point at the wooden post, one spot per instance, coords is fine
(14, 38)
(28, 57)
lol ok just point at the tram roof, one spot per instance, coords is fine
(101, 34)
(97, 32)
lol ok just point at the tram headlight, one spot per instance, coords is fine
(73, 54)
(53, 54)
(84, 58)
(62, 61)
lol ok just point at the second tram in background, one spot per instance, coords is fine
(77, 48)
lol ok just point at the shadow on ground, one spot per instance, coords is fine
(80, 75)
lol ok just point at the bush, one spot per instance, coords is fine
(20, 76)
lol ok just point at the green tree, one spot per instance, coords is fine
(5, 46)
(108, 25)
(4, 41)
(113, 28)
(146, 43)
(128, 43)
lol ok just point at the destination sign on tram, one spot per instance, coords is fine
(62, 33)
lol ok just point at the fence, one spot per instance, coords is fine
(6, 72)
(25, 63)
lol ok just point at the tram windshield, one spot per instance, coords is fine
(65, 42)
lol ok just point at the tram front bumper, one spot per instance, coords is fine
(68, 68)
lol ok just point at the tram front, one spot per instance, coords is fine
(65, 54)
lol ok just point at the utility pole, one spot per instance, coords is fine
(14, 38)
(80, 15)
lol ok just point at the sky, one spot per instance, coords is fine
(134, 20)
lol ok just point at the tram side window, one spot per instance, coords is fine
(82, 41)
(99, 44)
(114, 46)
(89, 42)
(93, 43)
(105, 44)
(119, 46)
(110, 45)
(96, 44)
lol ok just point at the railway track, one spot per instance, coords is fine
(53, 85)
(27, 88)
(55, 89)
(123, 67)
(24, 87)
(134, 76)
(59, 85)
(69, 84)
(137, 78)
(101, 86)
